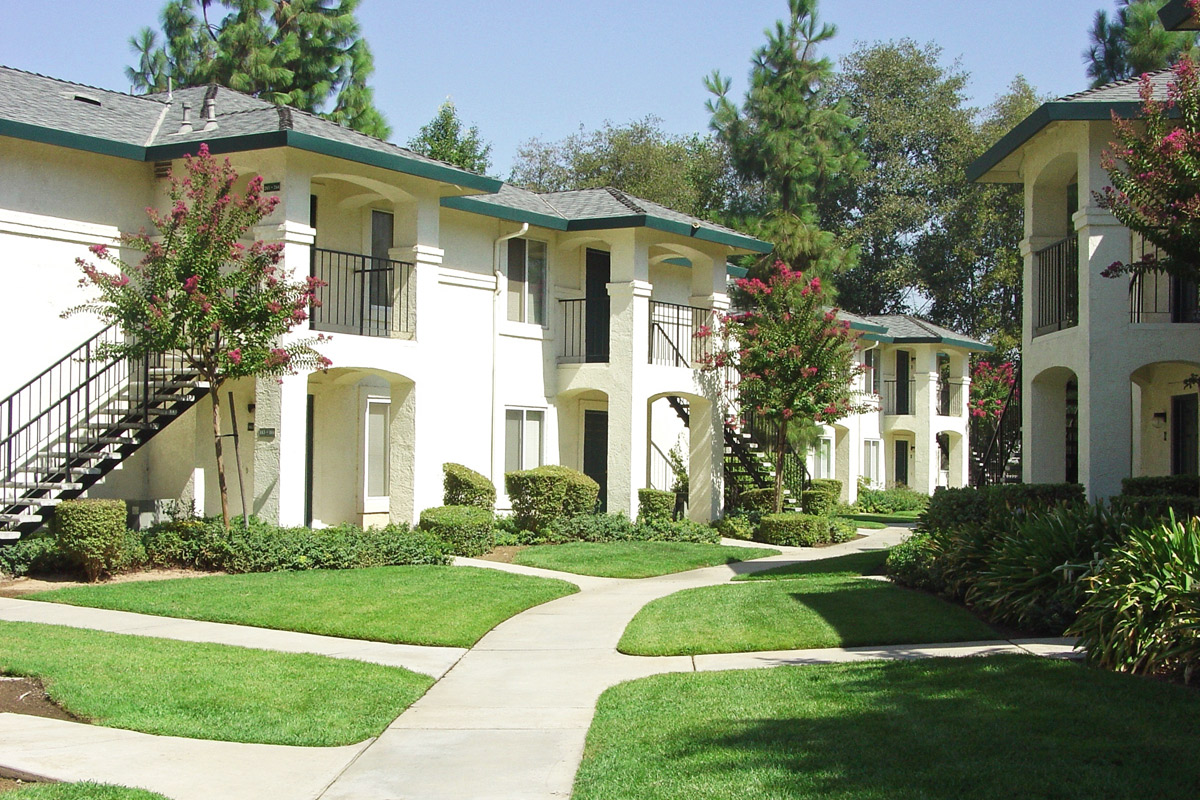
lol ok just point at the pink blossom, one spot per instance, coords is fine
(99, 250)
(235, 355)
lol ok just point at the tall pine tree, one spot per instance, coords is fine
(1133, 41)
(303, 53)
(789, 139)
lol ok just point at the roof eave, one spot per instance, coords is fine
(966, 344)
(1058, 110)
(74, 141)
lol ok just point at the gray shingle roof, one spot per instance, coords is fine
(1126, 91)
(905, 328)
(150, 121)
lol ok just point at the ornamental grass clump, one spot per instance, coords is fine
(1142, 612)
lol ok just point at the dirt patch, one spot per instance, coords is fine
(11, 784)
(27, 696)
(503, 554)
(15, 587)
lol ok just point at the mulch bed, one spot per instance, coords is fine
(503, 554)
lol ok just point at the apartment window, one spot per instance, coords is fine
(822, 459)
(523, 438)
(873, 462)
(527, 281)
(378, 448)
(872, 375)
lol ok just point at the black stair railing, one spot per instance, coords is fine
(73, 422)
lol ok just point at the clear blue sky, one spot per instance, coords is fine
(541, 69)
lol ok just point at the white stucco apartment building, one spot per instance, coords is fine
(468, 321)
(1105, 362)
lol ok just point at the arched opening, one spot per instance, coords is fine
(683, 453)
(1164, 419)
(1054, 427)
(359, 459)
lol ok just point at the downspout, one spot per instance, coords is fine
(496, 336)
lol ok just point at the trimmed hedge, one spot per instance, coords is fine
(887, 501)
(758, 501)
(655, 504)
(831, 485)
(735, 526)
(540, 496)
(465, 487)
(465, 530)
(1162, 486)
(1161, 506)
(92, 533)
(818, 501)
(619, 528)
(950, 509)
(794, 529)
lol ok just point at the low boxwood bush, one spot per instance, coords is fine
(831, 485)
(842, 530)
(91, 532)
(466, 487)
(655, 504)
(950, 509)
(913, 563)
(1162, 485)
(757, 501)
(887, 501)
(680, 530)
(1160, 506)
(794, 529)
(818, 500)
(735, 526)
(1142, 613)
(591, 528)
(540, 496)
(1026, 497)
(465, 530)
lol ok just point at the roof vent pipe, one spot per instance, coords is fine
(210, 114)
(186, 125)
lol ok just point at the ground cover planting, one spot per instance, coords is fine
(634, 559)
(209, 691)
(427, 605)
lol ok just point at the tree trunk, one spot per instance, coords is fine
(780, 445)
(214, 392)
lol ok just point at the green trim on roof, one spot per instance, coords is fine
(678, 262)
(871, 327)
(396, 162)
(1055, 111)
(876, 337)
(487, 209)
(966, 344)
(75, 141)
(1175, 13)
(734, 271)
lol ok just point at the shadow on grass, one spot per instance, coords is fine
(1002, 727)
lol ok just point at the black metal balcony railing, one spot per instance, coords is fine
(673, 329)
(584, 338)
(1159, 297)
(950, 399)
(1056, 279)
(363, 295)
(899, 397)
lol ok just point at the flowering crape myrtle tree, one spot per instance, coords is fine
(1154, 168)
(223, 307)
(992, 387)
(794, 358)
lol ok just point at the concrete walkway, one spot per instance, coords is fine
(507, 721)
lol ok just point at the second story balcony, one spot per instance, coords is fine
(1056, 287)
(363, 296)
(950, 399)
(673, 329)
(899, 397)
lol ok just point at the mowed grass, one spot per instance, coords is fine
(634, 559)
(426, 605)
(79, 791)
(821, 603)
(937, 729)
(891, 518)
(209, 691)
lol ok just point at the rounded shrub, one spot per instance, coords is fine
(735, 526)
(540, 496)
(592, 528)
(655, 504)
(681, 530)
(465, 487)
(819, 500)
(831, 485)
(794, 529)
(580, 493)
(758, 501)
(465, 530)
(913, 563)
(91, 532)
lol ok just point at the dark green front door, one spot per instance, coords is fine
(1185, 443)
(595, 451)
(597, 306)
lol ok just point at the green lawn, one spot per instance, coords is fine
(451, 606)
(938, 729)
(634, 559)
(859, 522)
(817, 604)
(209, 691)
(867, 562)
(79, 791)
(892, 518)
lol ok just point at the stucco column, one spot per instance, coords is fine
(279, 447)
(924, 473)
(706, 463)
(628, 418)
(1030, 444)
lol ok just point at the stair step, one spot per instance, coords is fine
(44, 486)
(125, 426)
(35, 502)
(90, 456)
(93, 440)
(19, 519)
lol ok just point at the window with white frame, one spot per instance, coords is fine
(821, 458)
(527, 281)
(377, 454)
(523, 438)
(873, 462)
(872, 375)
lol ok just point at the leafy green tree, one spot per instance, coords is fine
(1154, 169)
(443, 138)
(968, 261)
(794, 358)
(303, 53)
(916, 135)
(687, 173)
(789, 138)
(1132, 42)
(224, 308)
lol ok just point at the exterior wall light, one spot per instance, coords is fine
(1160, 420)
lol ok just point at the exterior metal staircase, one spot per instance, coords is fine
(748, 465)
(63, 431)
